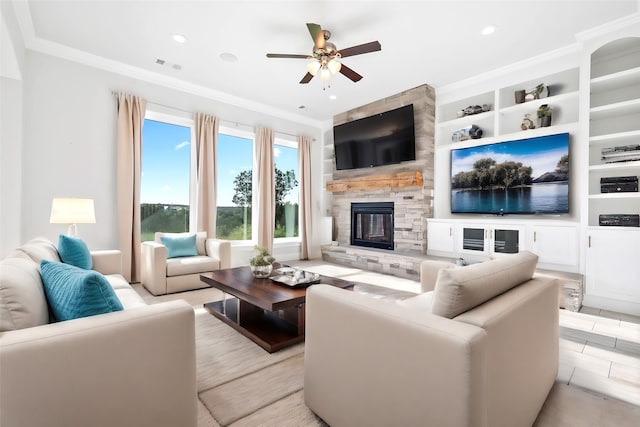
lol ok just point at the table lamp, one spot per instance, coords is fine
(72, 212)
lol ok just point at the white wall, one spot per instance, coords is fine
(12, 62)
(69, 147)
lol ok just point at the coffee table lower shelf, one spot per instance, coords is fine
(270, 330)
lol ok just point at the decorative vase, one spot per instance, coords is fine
(261, 271)
(545, 121)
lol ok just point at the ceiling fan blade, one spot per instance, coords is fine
(307, 78)
(355, 77)
(286, 55)
(360, 49)
(317, 35)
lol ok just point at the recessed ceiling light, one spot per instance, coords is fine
(488, 30)
(179, 38)
(228, 57)
(332, 97)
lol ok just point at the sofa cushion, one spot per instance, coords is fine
(180, 246)
(460, 289)
(191, 265)
(73, 292)
(201, 237)
(40, 248)
(74, 251)
(22, 300)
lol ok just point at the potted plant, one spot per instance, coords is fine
(544, 114)
(261, 263)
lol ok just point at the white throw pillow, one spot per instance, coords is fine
(460, 289)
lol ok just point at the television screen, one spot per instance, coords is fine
(525, 176)
(377, 140)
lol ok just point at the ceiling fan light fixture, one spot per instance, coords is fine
(313, 67)
(334, 66)
(325, 74)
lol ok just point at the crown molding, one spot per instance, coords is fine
(58, 50)
(609, 27)
(557, 54)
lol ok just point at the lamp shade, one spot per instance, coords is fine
(313, 67)
(72, 211)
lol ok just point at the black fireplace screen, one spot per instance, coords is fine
(372, 225)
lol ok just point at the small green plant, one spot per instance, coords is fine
(544, 111)
(262, 257)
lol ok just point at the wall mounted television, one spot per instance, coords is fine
(525, 176)
(381, 139)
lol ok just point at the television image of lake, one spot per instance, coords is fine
(547, 198)
(524, 176)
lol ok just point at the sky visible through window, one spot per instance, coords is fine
(166, 157)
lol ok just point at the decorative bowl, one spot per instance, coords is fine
(261, 271)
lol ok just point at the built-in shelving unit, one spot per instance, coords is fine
(503, 120)
(612, 255)
(614, 116)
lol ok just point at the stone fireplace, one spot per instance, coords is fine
(372, 225)
(412, 201)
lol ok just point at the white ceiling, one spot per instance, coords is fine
(432, 42)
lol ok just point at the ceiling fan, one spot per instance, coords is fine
(325, 56)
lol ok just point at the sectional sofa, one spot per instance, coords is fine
(132, 367)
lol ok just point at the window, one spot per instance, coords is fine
(235, 184)
(285, 155)
(166, 175)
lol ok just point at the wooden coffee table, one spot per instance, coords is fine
(270, 314)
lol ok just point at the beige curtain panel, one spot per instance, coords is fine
(304, 165)
(131, 110)
(265, 198)
(206, 143)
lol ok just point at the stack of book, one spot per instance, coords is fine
(624, 153)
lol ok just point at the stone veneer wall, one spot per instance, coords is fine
(411, 205)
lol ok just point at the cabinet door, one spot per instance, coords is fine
(440, 236)
(474, 239)
(555, 245)
(613, 264)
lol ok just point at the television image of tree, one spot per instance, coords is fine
(487, 174)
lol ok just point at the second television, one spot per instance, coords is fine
(525, 176)
(381, 139)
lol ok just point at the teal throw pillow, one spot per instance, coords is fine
(178, 246)
(74, 251)
(73, 292)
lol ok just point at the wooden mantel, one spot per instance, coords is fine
(395, 180)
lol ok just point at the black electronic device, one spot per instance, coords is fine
(620, 220)
(619, 184)
(382, 139)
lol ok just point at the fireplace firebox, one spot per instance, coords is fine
(372, 225)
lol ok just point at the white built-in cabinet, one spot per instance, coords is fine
(556, 244)
(613, 269)
(612, 254)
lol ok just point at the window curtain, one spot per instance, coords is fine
(264, 203)
(304, 165)
(206, 143)
(131, 110)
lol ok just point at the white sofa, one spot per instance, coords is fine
(160, 275)
(488, 358)
(134, 367)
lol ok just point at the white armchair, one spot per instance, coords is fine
(161, 276)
